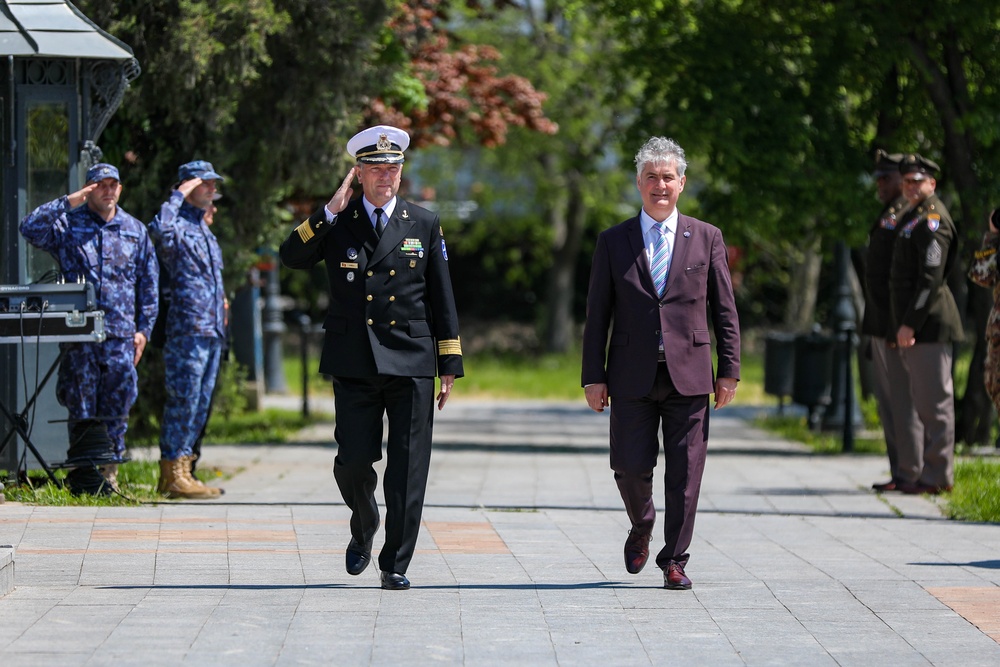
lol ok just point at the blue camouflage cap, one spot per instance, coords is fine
(102, 170)
(198, 169)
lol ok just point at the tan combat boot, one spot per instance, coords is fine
(174, 483)
(188, 465)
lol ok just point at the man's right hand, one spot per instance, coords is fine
(80, 196)
(597, 396)
(343, 194)
(187, 187)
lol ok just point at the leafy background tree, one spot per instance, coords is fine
(787, 101)
(527, 114)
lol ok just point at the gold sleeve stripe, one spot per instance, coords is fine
(450, 347)
(305, 231)
(983, 254)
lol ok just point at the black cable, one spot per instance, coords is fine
(29, 422)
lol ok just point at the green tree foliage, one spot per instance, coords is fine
(262, 88)
(787, 101)
(542, 197)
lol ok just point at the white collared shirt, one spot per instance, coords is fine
(649, 233)
(387, 210)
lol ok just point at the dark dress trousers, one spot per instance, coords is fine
(647, 395)
(391, 328)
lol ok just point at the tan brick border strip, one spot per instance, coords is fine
(977, 605)
(450, 537)
(466, 537)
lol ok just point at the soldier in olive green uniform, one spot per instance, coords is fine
(887, 363)
(985, 274)
(927, 323)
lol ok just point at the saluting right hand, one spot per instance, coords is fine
(188, 186)
(343, 194)
(80, 196)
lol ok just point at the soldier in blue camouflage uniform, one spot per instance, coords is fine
(94, 240)
(191, 261)
(984, 273)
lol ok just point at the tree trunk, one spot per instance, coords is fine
(948, 89)
(567, 228)
(807, 262)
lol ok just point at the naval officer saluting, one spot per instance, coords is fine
(391, 328)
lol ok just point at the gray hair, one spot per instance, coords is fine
(660, 149)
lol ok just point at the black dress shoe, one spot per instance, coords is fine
(358, 556)
(394, 581)
(891, 485)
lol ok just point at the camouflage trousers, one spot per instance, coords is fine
(98, 381)
(191, 367)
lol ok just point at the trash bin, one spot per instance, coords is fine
(779, 364)
(813, 377)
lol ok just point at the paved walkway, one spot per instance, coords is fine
(794, 562)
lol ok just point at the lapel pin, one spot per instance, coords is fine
(404, 215)
(687, 234)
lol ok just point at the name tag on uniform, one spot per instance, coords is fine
(348, 265)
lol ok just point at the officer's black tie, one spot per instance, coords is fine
(379, 223)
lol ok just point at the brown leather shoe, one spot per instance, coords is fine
(636, 551)
(674, 577)
(886, 486)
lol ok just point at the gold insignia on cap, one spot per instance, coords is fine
(451, 346)
(305, 232)
(383, 142)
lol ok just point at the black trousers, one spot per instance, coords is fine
(361, 404)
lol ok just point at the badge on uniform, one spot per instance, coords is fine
(352, 254)
(933, 222)
(348, 265)
(444, 249)
(412, 247)
(350, 276)
(934, 254)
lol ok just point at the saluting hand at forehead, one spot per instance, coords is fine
(344, 193)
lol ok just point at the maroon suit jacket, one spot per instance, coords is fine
(621, 292)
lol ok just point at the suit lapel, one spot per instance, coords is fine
(637, 245)
(395, 231)
(360, 225)
(680, 249)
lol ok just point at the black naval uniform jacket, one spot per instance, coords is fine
(392, 308)
(881, 238)
(925, 250)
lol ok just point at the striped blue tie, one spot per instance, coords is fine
(659, 265)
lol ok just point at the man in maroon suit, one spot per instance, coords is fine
(657, 277)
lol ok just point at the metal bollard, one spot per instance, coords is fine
(305, 327)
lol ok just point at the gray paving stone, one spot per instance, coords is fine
(794, 562)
